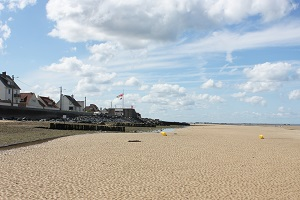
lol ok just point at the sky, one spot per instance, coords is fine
(221, 61)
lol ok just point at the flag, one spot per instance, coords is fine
(120, 96)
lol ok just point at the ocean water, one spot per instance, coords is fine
(168, 130)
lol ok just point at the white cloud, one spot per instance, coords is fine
(103, 52)
(235, 11)
(132, 98)
(118, 83)
(278, 35)
(150, 98)
(239, 94)
(137, 23)
(283, 113)
(67, 65)
(266, 76)
(4, 34)
(210, 98)
(294, 95)
(168, 95)
(1, 6)
(211, 84)
(90, 79)
(269, 72)
(255, 100)
(259, 86)
(208, 84)
(144, 87)
(74, 66)
(20, 4)
(85, 85)
(229, 57)
(281, 109)
(167, 90)
(132, 81)
(73, 49)
(176, 97)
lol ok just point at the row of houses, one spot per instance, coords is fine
(10, 95)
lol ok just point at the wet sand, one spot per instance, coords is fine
(198, 162)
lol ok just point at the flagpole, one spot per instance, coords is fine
(123, 98)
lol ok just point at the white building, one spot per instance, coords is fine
(69, 103)
(29, 100)
(9, 90)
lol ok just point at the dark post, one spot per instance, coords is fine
(12, 90)
(85, 104)
(60, 98)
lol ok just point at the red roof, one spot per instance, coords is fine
(25, 97)
(47, 102)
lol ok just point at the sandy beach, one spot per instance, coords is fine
(197, 162)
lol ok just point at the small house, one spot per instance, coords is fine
(69, 103)
(29, 100)
(9, 90)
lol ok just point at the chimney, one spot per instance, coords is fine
(4, 74)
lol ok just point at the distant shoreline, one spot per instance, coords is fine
(245, 124)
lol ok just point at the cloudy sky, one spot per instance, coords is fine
(176, 60)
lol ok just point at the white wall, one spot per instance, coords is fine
(33, 102)
(5, 93)
(67, 104)
(2, 91)
(82, 105)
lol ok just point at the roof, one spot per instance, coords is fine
(25, 97)
(8, 81)
(47, 102)
(92, 107)
(73, 101)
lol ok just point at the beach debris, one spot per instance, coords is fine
(261, 137)
(134, 140)
(163, 133)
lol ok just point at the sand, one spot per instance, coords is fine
(198, 162)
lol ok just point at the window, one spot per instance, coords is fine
(8, 91)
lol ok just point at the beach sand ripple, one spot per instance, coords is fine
(198, 162)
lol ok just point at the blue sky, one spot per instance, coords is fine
(176, 60)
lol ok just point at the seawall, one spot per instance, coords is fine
(36, 114)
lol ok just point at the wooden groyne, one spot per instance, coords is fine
(88, 127)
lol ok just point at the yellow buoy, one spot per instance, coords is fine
(163, 133)
(261, 137)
